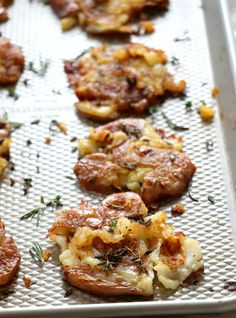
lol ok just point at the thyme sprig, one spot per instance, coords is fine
(44, 65)
(37, 212)
(36, 252)
(172, 125)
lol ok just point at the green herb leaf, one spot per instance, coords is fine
(73, 139)
(174, 60)
(188, 105)
(44, 65)
(113, 223)
(211, 199)
(209, 145)
(68, 292)
(36, 253)
(74, 149)
(35, 122)
(173, 125)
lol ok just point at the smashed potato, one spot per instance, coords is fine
(11, 62)
(113, 81)
(131, 154)
(103, 17)
(117, 249)
(9, 257)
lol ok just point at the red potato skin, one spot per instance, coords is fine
(9, 261)
(11, 62)
(86, 280)
(68, 221)
(168, 178)
(65, 8)
(3, 12)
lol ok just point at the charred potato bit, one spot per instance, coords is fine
(131, 154)
(110, 82)
(5, 142)
(117, 249)
(3, 12)
(103, 17)
(11, 62)
(10, 257)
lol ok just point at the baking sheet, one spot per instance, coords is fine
(34, 27)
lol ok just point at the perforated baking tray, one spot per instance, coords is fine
(198, 34)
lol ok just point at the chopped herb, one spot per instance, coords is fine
(37, 212)
(112, 258)
(113, 223)
(27, 185)
(203, 102)
(73, 139)
(44, 65)
(12, 182)
(74, 149)
(36, 253)
(14, 125)
(82, 54)
(183, 96)
(203, 84)
(12, 166)
(188, 105)
(26, 82)
(38, 155)
(35, 122)
(68, 292)
(37, 170)
(28, 142)
(211, 199)
(209, 145)
(53, 124)
(187, 38)
(174, 60)
(12, 93)
(173, 125)
(56, 92)
(152, 110)
(70, 178)
(191, 197)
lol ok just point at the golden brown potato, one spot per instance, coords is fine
(113, 81)
(109, 16)
(11, 62)
(132, 154)
(10, 257)
(106, 16)
(122, 254)
(3, 12)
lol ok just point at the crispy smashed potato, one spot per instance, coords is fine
(5, 143)
(117, 249)
(4, 4)
(113, 81)
(11, 62)
(131, 154)
(107, 16)
(10, 257)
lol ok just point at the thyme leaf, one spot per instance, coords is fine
(37, 212)
(211, 199)
(209, 145)
(44, 65)
(36, 253)
(68, 292)
(172, 125)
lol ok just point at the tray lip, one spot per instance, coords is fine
(227, 303)
(128, 309)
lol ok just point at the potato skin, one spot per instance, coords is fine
(65, 8)
(11, 62)
(9, 257)
(3, 12)
(85, 279)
